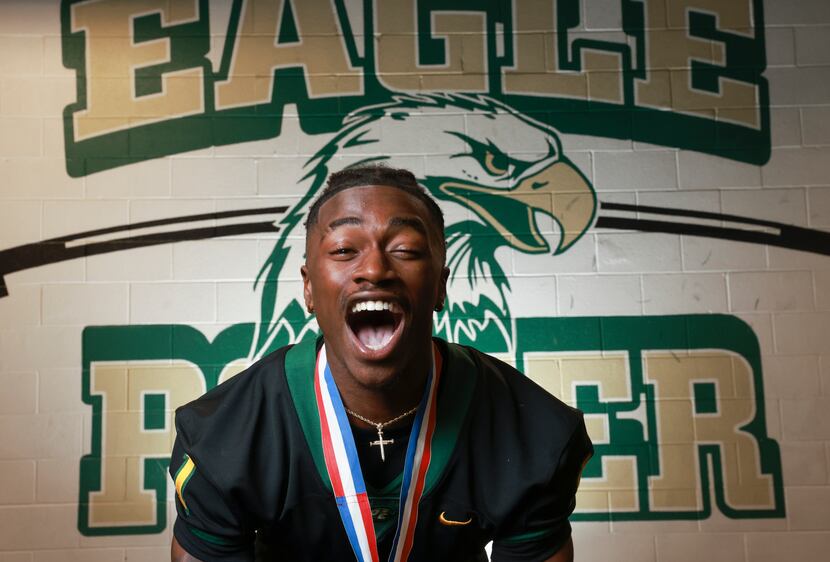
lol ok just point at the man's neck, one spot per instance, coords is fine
(383, 403)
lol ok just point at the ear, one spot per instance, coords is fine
(307, 290)
(441, 297)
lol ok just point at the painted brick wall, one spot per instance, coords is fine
(782, 294)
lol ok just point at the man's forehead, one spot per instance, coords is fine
(360, 201)
(353, 205)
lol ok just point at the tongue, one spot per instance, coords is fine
(375, 337)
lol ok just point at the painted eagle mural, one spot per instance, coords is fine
(501, 179)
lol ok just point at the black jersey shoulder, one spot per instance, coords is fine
(510, 471)
(242, 424)
(511, 394)
(515, 425)
(222, 409)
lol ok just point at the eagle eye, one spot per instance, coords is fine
(496, 164)
(491, 159)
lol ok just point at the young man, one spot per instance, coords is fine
(377, 442)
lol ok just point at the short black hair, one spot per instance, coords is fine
(377, 174)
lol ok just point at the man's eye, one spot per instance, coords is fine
(342, 251)
(407, 252)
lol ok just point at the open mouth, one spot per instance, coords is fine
(374, 323)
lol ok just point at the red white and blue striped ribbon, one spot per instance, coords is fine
(343, 465)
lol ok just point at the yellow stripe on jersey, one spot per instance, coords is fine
(182, 476)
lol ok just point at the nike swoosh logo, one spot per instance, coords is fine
(452, 523)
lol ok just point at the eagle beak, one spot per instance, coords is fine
(559, 191)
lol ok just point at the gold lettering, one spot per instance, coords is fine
(112, 58)
(684, 423)
(126, 441)
(561, 374)
(465, 49)
(536, 69)
(669, 52)
(320, 52)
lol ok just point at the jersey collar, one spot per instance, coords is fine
(454, 394)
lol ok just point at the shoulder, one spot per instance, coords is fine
(521, 453)
(227, 416)
(514, 426)
(245, 440)
(264, 376)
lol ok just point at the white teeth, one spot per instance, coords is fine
(374, 305)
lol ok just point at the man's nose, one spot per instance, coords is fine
(374, 267)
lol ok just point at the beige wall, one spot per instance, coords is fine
(782, 294)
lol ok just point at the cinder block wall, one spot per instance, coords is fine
(48, 423)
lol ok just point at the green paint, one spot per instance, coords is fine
(288, 26)
(633, 335)
(189, 46)
(154, 411)
(137, 343)
(629, 334)
(190, 43)
(705, 398)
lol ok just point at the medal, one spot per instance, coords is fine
(343, 465)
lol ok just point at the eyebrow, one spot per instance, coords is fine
(344, 221)
(411, 222)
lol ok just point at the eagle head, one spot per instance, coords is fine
(501, 179)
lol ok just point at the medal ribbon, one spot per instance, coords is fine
(343, 465)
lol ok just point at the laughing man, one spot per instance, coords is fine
(377, 441)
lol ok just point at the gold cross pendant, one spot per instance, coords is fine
(381, 441)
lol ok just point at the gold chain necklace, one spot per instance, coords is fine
(379, 426)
